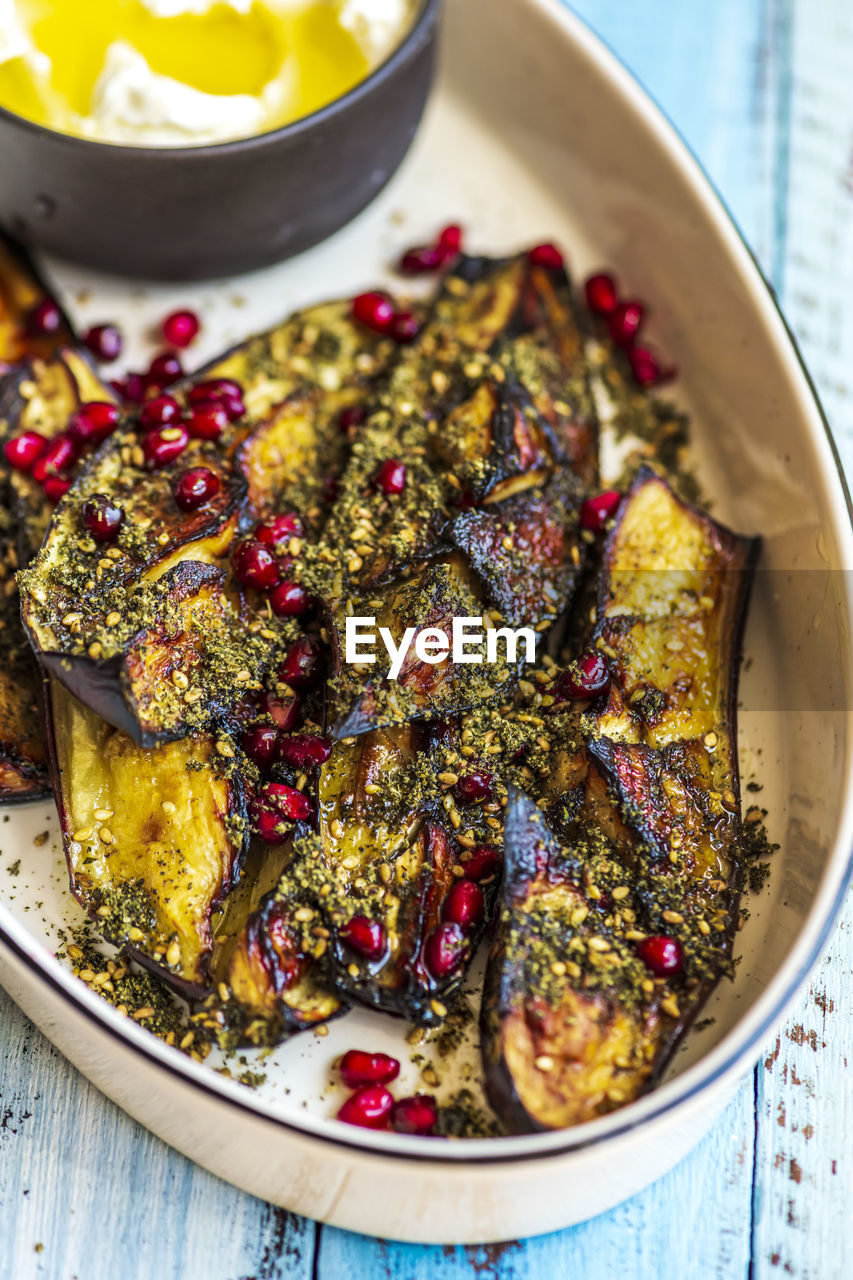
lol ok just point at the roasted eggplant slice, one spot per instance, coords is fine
(39, 395)
(481, 406)
(436, 593)
(276, 982)
(154, 838)
(610, 943)
(525, 551)
(21, 292)
(91, 610)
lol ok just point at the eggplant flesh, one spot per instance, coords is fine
(574, 1022)
(154, 838)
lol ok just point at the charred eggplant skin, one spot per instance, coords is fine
(574, 1024)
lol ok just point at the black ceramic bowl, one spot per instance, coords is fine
(190, 213)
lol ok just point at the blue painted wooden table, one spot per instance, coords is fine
(763, 92)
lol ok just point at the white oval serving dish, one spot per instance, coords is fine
(535, 132)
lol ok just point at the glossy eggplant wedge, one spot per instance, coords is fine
(488, 401)
(90, 607)
(154, 838)
(437, 592)
(39, 395)
(273, 977)
(24, 332)
(526, 551)
(377, 902)
(612, 937)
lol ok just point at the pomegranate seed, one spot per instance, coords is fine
(303, 663)
(405, 327)
(369, 1108)
(303, 750)
(464, 905)
(624, 323)
(595, 512)
(417, 1114)
(224, 392)
(206, 424)
(416, 262)
(290, 600)
(45, 319)
(483, 865)
(587, 678)
(164, 445)
(196, 487)
(269, 826)
(358, 1068)
(180, 328)
(283, 713)
(159, 412)
(104, 341)
(473, 787)
(275, 530)
(352, 416)
(367, 937)
(260, 744)
(450, 239)
(58, 455)
(547, 255)
(374, 310)
(56, 487)
(391, 477)
(165, 369)
(102, 517)
(443, 950)
(287, 801)
(647, 368)
(93, 422)
(255, 566)
(602, 297)
(663, 955)
(131, 388)
(23, 450)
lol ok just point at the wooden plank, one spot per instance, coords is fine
(85, 1191)
(703, 64)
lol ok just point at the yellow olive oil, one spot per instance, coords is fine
(221, 51)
